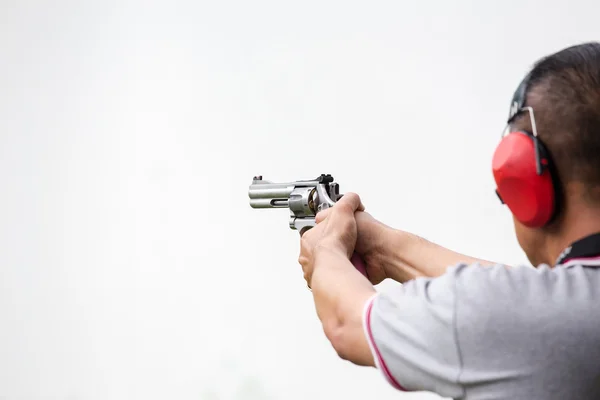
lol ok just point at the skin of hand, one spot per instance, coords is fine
(372, 244)
(335, 230)
(379, 245)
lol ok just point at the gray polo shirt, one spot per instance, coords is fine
(494, 332)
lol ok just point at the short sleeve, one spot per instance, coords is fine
(411, 332)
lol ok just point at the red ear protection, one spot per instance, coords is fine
(522, 169)
(523, 179)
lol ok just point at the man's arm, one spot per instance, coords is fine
(407, 334)
(402, 256)
(340, 293)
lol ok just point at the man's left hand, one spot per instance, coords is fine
(335, 231)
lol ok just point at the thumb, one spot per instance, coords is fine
(352, 201)
(321, 215)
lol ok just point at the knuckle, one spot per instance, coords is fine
(322, 215)
(352, 196)
(351, 199)
(304, 240)
(355, 199)
(303, 261)
(345, 208)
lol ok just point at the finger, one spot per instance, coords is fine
(362, 216)
(321, 215)
(302, 260)
(306, 278)
(350, 202)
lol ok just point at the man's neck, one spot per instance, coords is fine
(580, 222)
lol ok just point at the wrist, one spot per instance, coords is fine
(398, 264)
(329, 248)
(373, 237)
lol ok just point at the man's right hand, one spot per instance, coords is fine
(371, 245)
(379, 246)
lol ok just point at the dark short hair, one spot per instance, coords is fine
(564, 91)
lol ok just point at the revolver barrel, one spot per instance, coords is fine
(265, 194)
(270, 191)
(269, 203)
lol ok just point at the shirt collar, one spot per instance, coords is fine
(584, 251)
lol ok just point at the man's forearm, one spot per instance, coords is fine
(340, 293)
(409, 256)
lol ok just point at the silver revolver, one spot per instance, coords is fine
(303, 198)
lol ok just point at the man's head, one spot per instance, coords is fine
(564, 91)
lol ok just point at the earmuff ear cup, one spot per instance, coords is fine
(529, 196)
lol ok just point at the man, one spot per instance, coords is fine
(471, 329)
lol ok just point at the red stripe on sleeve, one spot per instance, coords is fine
(380, 362)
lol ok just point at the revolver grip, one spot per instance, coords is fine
(359, 264)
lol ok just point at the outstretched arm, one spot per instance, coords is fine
(402, 256)
(340, 291)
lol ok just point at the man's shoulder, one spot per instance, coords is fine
(518, 285)
(527, 281)
(484, 285)
(485, 295)
(486, 327)
(523, 298)
(494, 281)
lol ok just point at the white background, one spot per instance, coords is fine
(131, 265)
